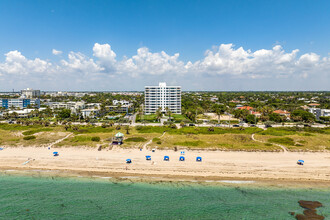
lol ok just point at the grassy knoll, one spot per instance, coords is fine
(91, 129)
(34, 131)
(13, 135)
(298, 142)
(210, 141)
(284, 141)
(307, 131)
(136, 139)
(133, 139)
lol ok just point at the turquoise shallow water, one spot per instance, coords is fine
(65, 198)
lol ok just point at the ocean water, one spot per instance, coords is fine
(68, 198)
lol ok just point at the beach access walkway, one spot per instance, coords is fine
(279, 145)
(59, 140)
(149, 142)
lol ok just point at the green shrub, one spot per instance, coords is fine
(136, 139)
(285, 140)
(30, 132)
(155, 139)
(31, 137)
(139, 127)
(268, 144)
(96, 138)
(158, 142)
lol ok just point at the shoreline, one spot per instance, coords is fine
(151, 179)
(218, 167)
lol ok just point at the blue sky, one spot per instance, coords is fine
(190, 28)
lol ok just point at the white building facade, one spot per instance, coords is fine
(319, 112)
(162, 96)
(30, 93)
(19, 103)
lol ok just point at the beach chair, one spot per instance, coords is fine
(128, 161)
(300, 162)
(166, 158)
(148, 157)
(182, 152)
(182, 158)
(199, 159)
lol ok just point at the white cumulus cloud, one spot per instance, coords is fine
(224, 60)
(56, 52)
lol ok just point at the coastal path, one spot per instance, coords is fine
(59, 140)
(149, 142)
(279, 145)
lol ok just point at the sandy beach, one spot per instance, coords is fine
(216, 165)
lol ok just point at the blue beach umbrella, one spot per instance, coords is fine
(199, 159)
(301, 161)
(128, 161)
(148, 157)
(181, 158)
(166, 158)
(55, 153)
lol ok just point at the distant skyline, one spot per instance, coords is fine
(228, 45)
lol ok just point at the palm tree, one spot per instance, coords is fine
(127, 129)
(158, 114)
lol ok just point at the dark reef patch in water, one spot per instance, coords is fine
(310, 210)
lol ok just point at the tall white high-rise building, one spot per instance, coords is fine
(164, 97)
(30, 93)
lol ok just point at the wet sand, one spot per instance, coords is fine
(216, 166)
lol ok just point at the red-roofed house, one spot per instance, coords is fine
(249, 108)
(283, 113)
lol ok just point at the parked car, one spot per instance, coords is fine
(236, 126)
(268, 126)
(253, 125)
(191, 125)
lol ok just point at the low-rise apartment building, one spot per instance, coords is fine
(73, 106)
(19, 103)
(319, 112)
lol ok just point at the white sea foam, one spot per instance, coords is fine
(236, 181)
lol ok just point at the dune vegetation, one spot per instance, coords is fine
(166, 137)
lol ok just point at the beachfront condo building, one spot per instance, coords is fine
(19, 103)
(162, 96)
